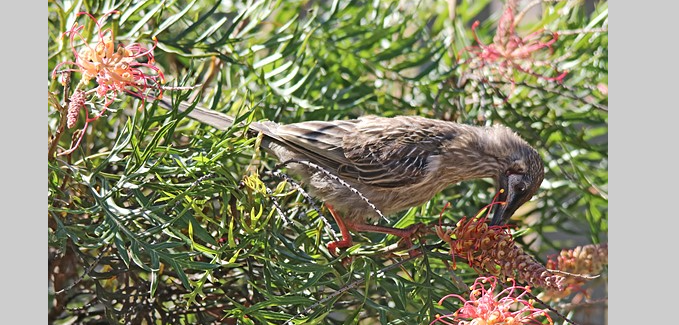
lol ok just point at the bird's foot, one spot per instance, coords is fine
(334, 247)
(407, 235)
(346, 240)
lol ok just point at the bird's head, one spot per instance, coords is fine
(518, 182)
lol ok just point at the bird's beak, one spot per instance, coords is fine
(500, 208)
(509, 199)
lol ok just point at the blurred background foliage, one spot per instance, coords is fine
(155, 218)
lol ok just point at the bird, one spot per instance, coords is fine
(371, 166)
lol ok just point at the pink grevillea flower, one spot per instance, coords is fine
(114, 70)
(510, 52)
(484, 307)
(129, 69)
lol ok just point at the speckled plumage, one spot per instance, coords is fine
(396, 163)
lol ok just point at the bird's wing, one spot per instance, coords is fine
(382, 152)
(319, 141)
(394, 152)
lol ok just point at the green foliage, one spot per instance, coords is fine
(155, 218)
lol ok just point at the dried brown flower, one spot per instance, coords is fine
(582, 262)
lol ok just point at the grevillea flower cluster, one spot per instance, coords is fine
(492, 249)
(587, 260)
(509, 52)
(485, 307)
(129, 69)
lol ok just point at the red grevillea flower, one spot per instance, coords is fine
(510, 52)
(128, 68)
(492, 250)
(484, 307)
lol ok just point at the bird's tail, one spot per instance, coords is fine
(222, 122)
(210, 117)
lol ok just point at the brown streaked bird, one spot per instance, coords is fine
(394, 163)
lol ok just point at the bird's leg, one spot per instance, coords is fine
(344, 226)
(346, 236)
(406, 234)
(403, 233)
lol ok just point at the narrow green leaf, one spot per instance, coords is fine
(122, 251)
(144, 21)
(269, 59)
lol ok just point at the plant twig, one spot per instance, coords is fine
(307, 197)
(337, 179)
(54, 141)
(87, 271)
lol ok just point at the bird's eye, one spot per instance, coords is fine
(519, 188)
(514, 172)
